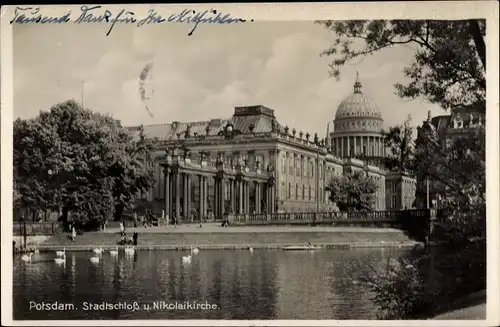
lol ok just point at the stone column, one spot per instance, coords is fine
(205, 196)
(240, 197)
(348, 146)
(382, 148)
(355, 150)
(232, 195)
(268, 198)
(273, 198)
(222, 197)
(166, 190)
(247, 189)
(244, 198)
(200, 191)
(185, 214)
(216, 197)
(177, 190)
(257, 197)
(377, 146)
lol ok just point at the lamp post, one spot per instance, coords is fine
(427, 192)
(317, 180)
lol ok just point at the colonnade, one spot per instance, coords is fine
(231, 194)
(348, 146)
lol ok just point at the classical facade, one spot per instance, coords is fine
(400, 191)
(250, 163)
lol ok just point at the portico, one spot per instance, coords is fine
(195, 186)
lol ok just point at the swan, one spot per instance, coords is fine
(60, 260)
(186, 259)
(195, 250)
(61, 253)
(98, 251)
(250, 249)
(114, 252)
(94, 259)
(27, 257)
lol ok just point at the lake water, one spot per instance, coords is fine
(268, 284)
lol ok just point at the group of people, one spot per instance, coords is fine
(124, 240)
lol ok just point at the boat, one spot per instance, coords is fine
(302, 248)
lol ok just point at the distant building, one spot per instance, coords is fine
(460, 123)
(251, 163)
(400, 191)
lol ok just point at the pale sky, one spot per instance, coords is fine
(203, 76)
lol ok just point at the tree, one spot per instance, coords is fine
(138, 154)
(353, 192)
(79, 161)
(458, 168)
(449, 62)
(399, 143)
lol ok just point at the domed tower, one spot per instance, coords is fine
(358, 127)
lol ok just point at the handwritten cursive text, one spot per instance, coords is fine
(94, 14)
(88, 15)
(193, 17)
(31, 15)
(153, 18)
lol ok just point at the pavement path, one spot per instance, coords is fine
(471, 307)
(217, 228)
(476, 312)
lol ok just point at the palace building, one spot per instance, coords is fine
(250, 163)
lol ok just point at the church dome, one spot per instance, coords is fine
(358, 105)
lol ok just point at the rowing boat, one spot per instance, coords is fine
(302, 248)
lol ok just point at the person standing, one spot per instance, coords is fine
(73, 233)
(135, 236)
(122, 228)
(135, 218)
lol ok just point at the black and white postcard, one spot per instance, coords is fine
(250, 164)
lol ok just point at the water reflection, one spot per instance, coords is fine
(262, 285)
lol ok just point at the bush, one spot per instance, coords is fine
(399, 290)
(422, 284)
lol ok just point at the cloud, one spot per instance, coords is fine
(202, 76)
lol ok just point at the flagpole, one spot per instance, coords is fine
(82, 92)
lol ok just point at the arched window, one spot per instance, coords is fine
(289, 190)
(296, 191)
(303, 192)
